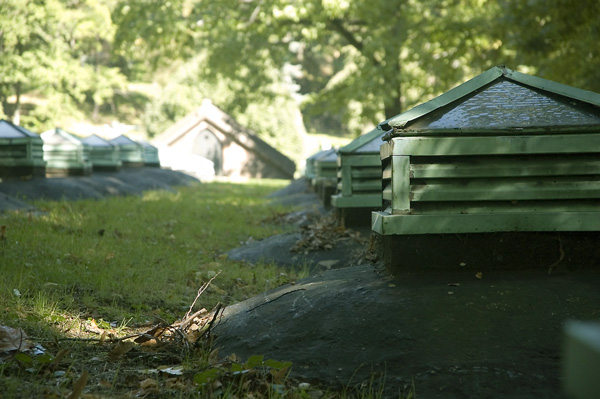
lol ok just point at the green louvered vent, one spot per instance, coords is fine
(13, 151)
(386, 182)
(504, 183)
(487, 184)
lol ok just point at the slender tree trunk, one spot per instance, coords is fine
(96, 110)
(393, 99)
(16, 114)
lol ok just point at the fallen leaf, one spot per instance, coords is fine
(149, 386)
(149, 383)
(79, 385)
(91, 326)
(172, 370)
(121, 349)
(103, 337)
(279, 375)
(57, 359)
(12, 339)
(194, 335)
(213, 357)
(105, 384)
(157, 331)
(175, 383)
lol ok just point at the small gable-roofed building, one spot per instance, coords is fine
(150, 155)
(309, 170)
(131, 153)
(504, 152)
(104, 155)
(234, 150)
(65, 154)
(325, 174)
(359, 175)
(21, 152)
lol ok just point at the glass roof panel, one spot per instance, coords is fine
(506, 104)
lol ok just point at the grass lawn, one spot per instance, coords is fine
(121, 265)
(84, 279)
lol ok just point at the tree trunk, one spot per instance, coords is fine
(393, 99)
(16, 114)
(392, 104)
(95, 111)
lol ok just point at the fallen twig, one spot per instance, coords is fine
(200, 291)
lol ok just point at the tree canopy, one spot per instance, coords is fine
(354, 63)
(346, 64)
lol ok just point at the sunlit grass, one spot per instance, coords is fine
(128, 257)
(121, 265)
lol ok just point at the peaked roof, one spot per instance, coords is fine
(317, 155)
(60, 136)
(9, 130)
(329, 155)
(501, 98)
(124, 140)
(96, 141)
(368, 142)
(145, 144)
(224, 123)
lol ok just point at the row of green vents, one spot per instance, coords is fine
(59, 153)
(502, 152)
(359, 173)
(21, 151)
(321, 172)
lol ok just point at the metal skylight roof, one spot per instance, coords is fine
(502, 99)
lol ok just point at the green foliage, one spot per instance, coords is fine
(256, 377)
(28, 33)
(557, 41)
(151, 34)
(350, 63)
(61, 53)
(361, 60)
(268, 115)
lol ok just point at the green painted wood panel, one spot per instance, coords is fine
(13, 151)
(446, 167)
(366, 173)
(504, 206)
(400, 183)
(357, 201)
(387, 192)
(491, 184)
(508, 190)
(386, 224)
(366, 185)
(497, 145)
(386, 150)
(346, 180)
(387, 171)
(360, 160)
